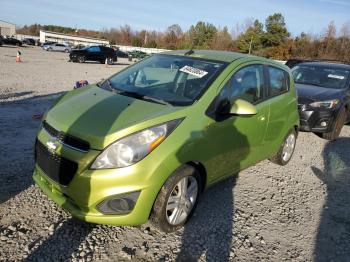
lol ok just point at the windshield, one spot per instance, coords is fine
(170, 79)
(320, 76)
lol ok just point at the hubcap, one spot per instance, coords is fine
(288, 147)
(181, 200)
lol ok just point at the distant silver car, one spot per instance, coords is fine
(57, 47)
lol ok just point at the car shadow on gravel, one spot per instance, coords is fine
(18, 130)
(209, 232)
(333, 235)
(15, 95)
(63, 242)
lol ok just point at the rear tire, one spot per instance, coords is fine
(284, 155)
(339, 123)
(110, 61)
(66, 50)
(177, 199)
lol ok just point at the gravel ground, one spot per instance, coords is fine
(299, 212)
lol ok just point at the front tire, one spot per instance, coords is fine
(177, 199)
(339, 123)
(286, 151)
(81, 59)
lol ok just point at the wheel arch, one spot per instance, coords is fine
(202, 172)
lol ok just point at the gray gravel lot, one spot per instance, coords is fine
(299, 212)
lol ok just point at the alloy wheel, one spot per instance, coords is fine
(288, 147)
(181, 200)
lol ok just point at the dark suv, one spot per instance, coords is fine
(93, 53)
(323, 97)
(11, 41)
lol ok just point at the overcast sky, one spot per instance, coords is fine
(310, 16)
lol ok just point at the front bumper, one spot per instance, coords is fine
(82, 204)
(316, 120)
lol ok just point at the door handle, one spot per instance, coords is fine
(262, 118)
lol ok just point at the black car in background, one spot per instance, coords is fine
(122, 54)
(323, 97)
(28, 41)
(94, 53)
(11, 41)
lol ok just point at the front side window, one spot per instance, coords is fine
(278, 81)
(177, 80)
(321, 76)
(246, 84)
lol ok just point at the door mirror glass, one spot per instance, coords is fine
(242, 107)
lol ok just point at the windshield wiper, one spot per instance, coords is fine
(135, 94)
(155, 100)
(143, 97)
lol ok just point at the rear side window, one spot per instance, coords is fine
(279, 81)
(94, 49)
(247, 84)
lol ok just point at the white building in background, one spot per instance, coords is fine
(7, 29)
(70, 39)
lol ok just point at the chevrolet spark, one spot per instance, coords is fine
(146, 142)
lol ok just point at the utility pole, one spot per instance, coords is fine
(250, 44)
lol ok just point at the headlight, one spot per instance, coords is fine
(325, 104)
(131, 149)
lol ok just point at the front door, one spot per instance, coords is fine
(236, 141)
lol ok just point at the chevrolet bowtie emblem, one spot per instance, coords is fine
(52, 144)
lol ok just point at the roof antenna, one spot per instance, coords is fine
(189, 52)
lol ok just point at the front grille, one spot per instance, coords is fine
(67, 139)
(56, 167)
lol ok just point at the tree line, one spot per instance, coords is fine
(269, 39)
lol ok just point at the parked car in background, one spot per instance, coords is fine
(28, 41)
(47, 43)
(94, 53)
(122, 54)
(57, 47)
(0, 40)
(147, 141)
(11, 41)
(80, 46)
(323, 97)
(138, 54)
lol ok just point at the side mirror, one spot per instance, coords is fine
(242, 107)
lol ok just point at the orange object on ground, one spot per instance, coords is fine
(18, 57)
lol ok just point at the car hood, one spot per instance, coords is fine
(310, 93)
(97, 115)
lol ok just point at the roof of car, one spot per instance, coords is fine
(224, 56)
(327, 64)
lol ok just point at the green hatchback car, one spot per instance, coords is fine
(147, 141)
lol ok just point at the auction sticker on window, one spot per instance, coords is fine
(193, 71)
(336, 76)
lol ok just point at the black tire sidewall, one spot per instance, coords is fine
(158, 215)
